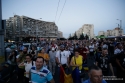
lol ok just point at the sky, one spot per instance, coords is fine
(101, 13)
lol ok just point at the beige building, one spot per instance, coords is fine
(115, 32)
(101, 33)
(86, 29)
(60, 34)
(18, 27)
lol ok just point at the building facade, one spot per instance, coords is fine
(19, 27)
(101, 33)
(86, 29)
(115, 32)
(60, 34)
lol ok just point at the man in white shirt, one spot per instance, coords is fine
(62, 57)
(52, 62)
(8, 51)
(91, 49)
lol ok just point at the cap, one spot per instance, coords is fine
(61, 46)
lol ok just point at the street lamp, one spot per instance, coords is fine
(120, 31)
(120, 22)
(118, 25)
(36, 32)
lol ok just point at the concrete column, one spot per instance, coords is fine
(1, 33)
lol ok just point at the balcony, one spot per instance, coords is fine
(52, 31)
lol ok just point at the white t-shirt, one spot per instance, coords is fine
(64, 56)
(17, 56)
(68, 52)
(91, 48)
(117, 51)
(105, 46)
(28, 66)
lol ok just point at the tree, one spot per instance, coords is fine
(75, 36)
(86, 37)
(69, 35)
(82, 37)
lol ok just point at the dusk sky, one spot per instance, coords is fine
(101, 13)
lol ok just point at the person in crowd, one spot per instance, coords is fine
(71, 49)
(8, 51)
(20, 52)
(22, 56)
(105, 46)
(76, 61)
(33, 52)
(52, 62)
(99, 50)
(85, 53)
(91, 50)
(21, 47)
(21, 59)
(28, 65)
(104, 63)
(54, 45)
(12, 60)
(95, 75)
(40, 74)
(80, 49)
(67, 50)
(111, 48)
(120, 60)
(117, 51)
(45, 56)
(62, 58)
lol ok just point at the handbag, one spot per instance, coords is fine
(81, 72)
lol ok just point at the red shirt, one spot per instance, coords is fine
(81, 51)
(84, 54)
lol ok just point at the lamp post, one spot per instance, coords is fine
(36, 33)
(120, 30)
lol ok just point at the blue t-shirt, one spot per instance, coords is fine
(88, 81)
(43, 76)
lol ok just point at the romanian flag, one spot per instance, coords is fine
(76, 75)
(64, 78)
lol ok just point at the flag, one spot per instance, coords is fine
(64, 78)
(61, 74)
(76, 75)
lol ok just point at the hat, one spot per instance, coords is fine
(61, 46)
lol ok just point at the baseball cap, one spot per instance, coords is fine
(61, 46)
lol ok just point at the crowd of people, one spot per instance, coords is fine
(38, 64)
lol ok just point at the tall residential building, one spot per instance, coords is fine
(86, 29)
(19, 27)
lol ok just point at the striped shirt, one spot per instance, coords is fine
(43, 76)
